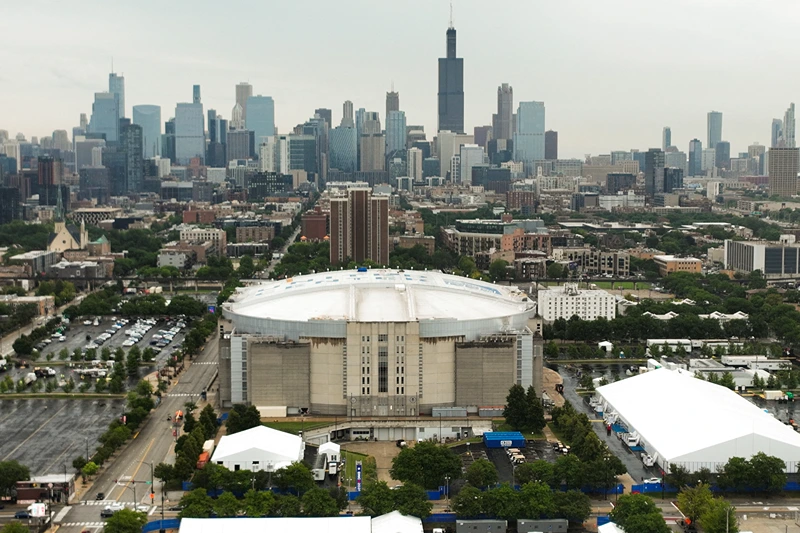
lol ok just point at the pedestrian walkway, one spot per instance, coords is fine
(83, 524)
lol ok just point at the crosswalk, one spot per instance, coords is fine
(100, 502)
(83, 524)
(182, 394)
(206, 363)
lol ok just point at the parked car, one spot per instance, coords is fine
(22, 515)
(100, 496)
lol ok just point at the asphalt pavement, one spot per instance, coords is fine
(153, 444)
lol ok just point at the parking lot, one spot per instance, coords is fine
(75, 337)
(45, 435)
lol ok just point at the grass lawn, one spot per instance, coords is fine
(557, 433)
(502, 426)
(350, 459)
(294, 427)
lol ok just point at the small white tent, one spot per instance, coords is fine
(259, 448)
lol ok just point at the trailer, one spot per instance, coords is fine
(503, 439)
(208, 446)
(769, 364)
(202, 460)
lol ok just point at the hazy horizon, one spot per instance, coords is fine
(611, 74)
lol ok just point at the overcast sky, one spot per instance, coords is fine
(612, 73)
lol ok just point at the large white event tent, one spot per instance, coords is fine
(690, 422)
(259, 448)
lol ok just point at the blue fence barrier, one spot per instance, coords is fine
(171, 523)
(440, 518)
(602, 520)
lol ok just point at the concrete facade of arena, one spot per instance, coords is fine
(378, 343)
(695, 423)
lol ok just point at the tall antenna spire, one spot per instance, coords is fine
(451, 17)
(451, 14)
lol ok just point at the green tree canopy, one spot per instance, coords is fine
(196, 504)
(376, 499)
(242, 417)
(482, 473)
(468, 503)
(318, 502)
(296, 477)
(10, 473)
(632, 505)
(719, 517)
(125, 521)
(412, 500)
(426, 464)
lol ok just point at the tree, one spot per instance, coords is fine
(164, 472)
(208, 419)
(572, 505)
(502, 502)
(727, 381)
(287, 505)
(468, 503)
(516, 409)
(768, 473)
(10, 473)
(555, 271)
(482, 473)
(719, 517)
(498, 270)
(568, 469)
(694, 501)
(647, 523)
(196, 504)
(241, 418)
(296, 477)
(412, 500)
(89, 469)
(376, 499)
(736, 475)
(426, 464)
(539, 470)
(226, 505)
(678, 476)
(630, 505)
(125, 521)
(536, 500)
(189, 422)
(79, 462)
(15, 527)
(318, 502)
(258, 503)
(246, 267)
(534, 416)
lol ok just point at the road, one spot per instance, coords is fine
(153, 444)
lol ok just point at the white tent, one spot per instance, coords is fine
(396, 522)
(610, 527)
(259, 448)
(687, 421)
(335, 524)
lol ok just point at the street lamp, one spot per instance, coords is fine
(447, 488)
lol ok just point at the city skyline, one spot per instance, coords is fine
(594, 117)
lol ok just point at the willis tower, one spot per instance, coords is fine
(451, 87)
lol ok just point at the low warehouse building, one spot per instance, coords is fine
(259, 448)
(682, 420)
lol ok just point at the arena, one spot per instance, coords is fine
(377, 343)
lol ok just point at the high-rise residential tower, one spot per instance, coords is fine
(776, 133)
(359, 227)
(343, 146)
(722, 155)
(395, 131)
(551, 145)
(653, 172)
(783, 167)
(666, 138)
(714, 128)
(326, 114)
(503, 120)
(105, 116)
(469, 156)
(789, 128)
(149, 118)
(529, 138)
(243, 91)
(695, 157)
(414, 164)
(260, 118)
(451, 87)
(392, 102)
(190, 138)
(116, 86)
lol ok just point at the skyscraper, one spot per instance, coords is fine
(551, 145)
(392, 102)
(61, 140)
(395, 131)
(326, 114)
(783, 169)
(723, 155)
(714, 128)
(653, 172)
(482, 135)
(196, 94)
(260, 118)
(243, 91)
(502, 121)
(344, 148)
(105, 116)
(149, 118)
(414, 164)
(673, 179)
(789, 128)
(776, 133)
(359, 228)
(373, 152)
(470, 156)
(116, 86)
(241, 145)
(131, 143)
(666, 138)
(347, 114)
(695, 157)
(529, 138)
(451, 87)
(190, 138)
